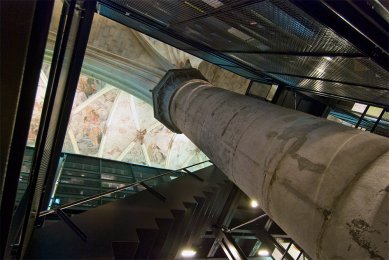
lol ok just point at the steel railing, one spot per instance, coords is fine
(102, 194)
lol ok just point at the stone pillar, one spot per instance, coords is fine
(325, 184)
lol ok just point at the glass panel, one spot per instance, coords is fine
(272, 92)
(277, 255)
(38, 105)
(359, 107)
(374, 111)
(141, 173)
(199, 166)
(283, 242)
(294, 251)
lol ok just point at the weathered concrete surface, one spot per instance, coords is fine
(325, 184)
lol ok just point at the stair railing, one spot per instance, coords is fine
(102, 194)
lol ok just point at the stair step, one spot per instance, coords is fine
(140, 226)
(165, 225)
(175, 237)
(147, 238)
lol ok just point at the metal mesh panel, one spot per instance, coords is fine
(264, 27)
(168, 11)
(271, 36)
(123, 19)
(356, 92)
(352, 70)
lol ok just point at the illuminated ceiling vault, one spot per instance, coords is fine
(109, 123)
(112, 116)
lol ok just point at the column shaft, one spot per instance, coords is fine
(325, 184)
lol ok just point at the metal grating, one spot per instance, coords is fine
(350, 92)
(359, 71)
(264, 40)
(169, 12)
(279, 26)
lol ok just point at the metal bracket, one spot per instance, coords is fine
(229, 246)
(154, 192)
(193, 175)
(62, 215)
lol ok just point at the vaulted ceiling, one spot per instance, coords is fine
(109, 123)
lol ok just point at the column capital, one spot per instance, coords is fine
(164, 91)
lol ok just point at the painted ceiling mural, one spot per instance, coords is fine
(109, 123)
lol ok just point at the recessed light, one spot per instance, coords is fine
(187, 252)
(263, 252)
(254, 203)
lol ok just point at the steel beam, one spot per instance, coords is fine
(32, 66)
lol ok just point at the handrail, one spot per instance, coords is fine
(246, 223)
(99, 195)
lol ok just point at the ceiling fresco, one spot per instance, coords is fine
(109, 123)
(112, 115)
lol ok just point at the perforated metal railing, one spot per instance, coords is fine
(270, 40)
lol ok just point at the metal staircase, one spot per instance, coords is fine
(152, 224)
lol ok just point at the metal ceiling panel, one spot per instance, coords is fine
(358, 71)
(168, 12)
(264, 26)
(274, 39)
(376, 97)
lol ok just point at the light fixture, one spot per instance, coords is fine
(188, 252)
(254, 203)
(263, 252)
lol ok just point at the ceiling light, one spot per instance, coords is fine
(254, 203)
(263, 252)
(187, 252)
(327, 58)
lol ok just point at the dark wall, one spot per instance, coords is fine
(16, 21)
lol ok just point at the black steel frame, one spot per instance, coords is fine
(45, 151)
(56, 121)
(34, 59)
(378, 120)
(362, 116)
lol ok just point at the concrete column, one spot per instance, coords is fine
(325, 184)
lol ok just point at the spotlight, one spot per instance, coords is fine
(254, 203)
(188, 252)
(263, 252)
